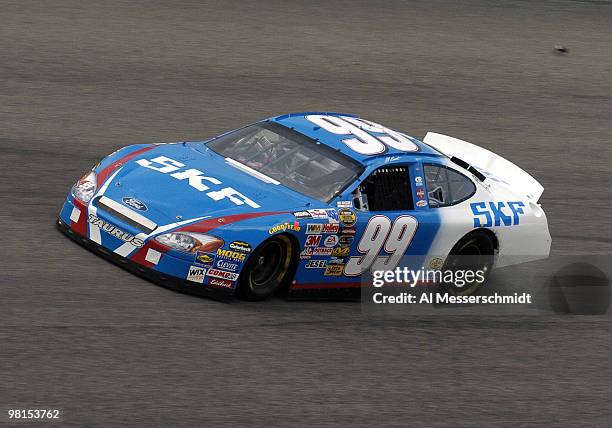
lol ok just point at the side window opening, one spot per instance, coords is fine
(386, 189)
(445, 186)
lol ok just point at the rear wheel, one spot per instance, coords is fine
(266, 269)
(474, 252)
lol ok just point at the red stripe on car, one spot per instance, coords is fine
(108, 170)
(212, 223)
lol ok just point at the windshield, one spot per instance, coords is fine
(290, 158)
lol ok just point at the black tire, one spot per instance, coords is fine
(267, 269)
(475, 251)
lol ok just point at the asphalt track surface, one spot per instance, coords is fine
(81, 79)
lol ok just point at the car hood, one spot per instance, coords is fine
(164, 197)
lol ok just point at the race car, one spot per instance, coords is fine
(303, 203)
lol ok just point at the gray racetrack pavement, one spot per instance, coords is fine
(81, 79)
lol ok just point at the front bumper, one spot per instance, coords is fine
(167, 281)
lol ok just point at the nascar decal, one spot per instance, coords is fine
(359, 134)
(196, 179)
(196, 274)
(380, 233)
(347, 217)
(115, 231)
(217, 273)
(295, 226)
(497, 213)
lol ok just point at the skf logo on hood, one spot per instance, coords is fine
(135, 203)
(196, 179)
(295, 226)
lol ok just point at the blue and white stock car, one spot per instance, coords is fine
(305, 203)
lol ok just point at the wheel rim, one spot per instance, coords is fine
(268, 264)
(477, 261)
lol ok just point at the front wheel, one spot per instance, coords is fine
(266, 269)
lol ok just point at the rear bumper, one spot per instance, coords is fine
(167, 281)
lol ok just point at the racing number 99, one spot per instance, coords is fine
(395, 237)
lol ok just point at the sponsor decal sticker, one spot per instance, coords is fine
(115, 231)
(196, 274)
(336, 261)
(334, 270)
(418, 180)
(330, 228)
(344, 204)
(322, 251)
(348, 231)
(226, 265)
(331, 241)
(231, 255)
(302, 214)
(421, 203)
(313, 241)
(314, 229)
(306, 253)
(295, 226)
(420, 193)
(497, 213)
(347, 216)
(216, 282)
(205, 259)
(341, 251)
(436, 263)
(135, 203)
(316, 264)
(217, 273)
(241, 247)
(346, 240)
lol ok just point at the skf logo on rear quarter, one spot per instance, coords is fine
(196, 274)
(295, 226)
(196, 179)
(241, 247)
(231, 255)
(497, 213)
(135, 203)
(115, 231)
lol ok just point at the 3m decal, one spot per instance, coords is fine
(359, 134)
(196, 274)
(217, 273)
(115, 231)
(312, 240)
(497, 213)
(316, 264)
(381, 233)
(196, 179)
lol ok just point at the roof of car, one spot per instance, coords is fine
(300, 123)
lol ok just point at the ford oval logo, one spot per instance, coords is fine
(135, 203)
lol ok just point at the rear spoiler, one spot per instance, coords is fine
(485, 164)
